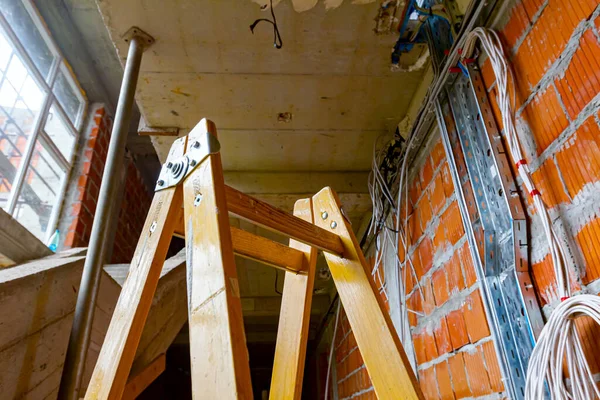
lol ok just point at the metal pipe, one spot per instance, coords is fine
(90, 281)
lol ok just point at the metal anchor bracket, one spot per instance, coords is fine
(180, 163)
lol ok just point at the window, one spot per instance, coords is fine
(41, 111)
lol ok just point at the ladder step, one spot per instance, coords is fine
(274, 219)
(258, 248)
(266, 251)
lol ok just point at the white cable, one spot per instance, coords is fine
(559, 343)
(337, 317)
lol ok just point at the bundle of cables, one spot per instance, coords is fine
(559, 344)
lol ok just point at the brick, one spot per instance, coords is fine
(408, 279)
(466, 260)
(476, 373)
(419, 345)
(492, 366)
(70, 239)
(431, 351)
(546, 41)
(447, 178)
(458, 373)
(475, 318)
(588, 332)
(517, 24)
(424, 211)
(588, 239)
(440, 287)
(414, 191)
(429, 384)
(487, 74)
(75, 209)
(442, 337)
(579, 158)
(437, 196)
(581, 81)
(415, 303)
(426, 173)
(415, 261)
(428, 298)
(439, 237)
(456, 281)
(442, 374)
(452, 221)
(425, 250)
(470, 200)
(547, 181)
(532, 7)
(543, 276)
(457, 329)
(438, 154)
(545, 118)
(493, 98)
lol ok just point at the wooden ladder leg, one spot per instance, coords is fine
(127, 323)
(219, 357)
(292, 334)
(378, 342)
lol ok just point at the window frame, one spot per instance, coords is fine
(38, 133)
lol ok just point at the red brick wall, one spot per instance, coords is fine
(82, 195)
(554, 47)
(454, 353)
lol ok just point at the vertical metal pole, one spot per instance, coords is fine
(90, 281)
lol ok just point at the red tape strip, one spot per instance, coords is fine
(564, 298)
(521, 162)
(535, 192)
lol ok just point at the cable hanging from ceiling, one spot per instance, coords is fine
(277, 42)
(558, 352)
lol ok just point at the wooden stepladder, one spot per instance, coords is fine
(192, 177)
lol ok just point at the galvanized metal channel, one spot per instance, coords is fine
(495, 223)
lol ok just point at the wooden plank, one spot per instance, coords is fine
(140, 381)
(265, 215)
(261, 249)
(123, 335)
(266, 251)
(17, 244)
(292, 333)
(219, 358)
(379, 345)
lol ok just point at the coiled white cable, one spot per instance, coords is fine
(559, 343)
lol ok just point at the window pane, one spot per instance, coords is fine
(39, 193)
(5, 52)
(20, 102)
(59, 132)
(28, 34)
(65, 93)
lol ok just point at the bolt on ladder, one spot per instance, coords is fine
(192, 177)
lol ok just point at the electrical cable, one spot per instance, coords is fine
(337, 317)
(558, 351)
(277, 42)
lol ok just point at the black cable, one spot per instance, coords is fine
(277, 42)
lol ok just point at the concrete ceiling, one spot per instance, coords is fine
(290, 121)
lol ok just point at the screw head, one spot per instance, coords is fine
(324, 215)
(160, 182)
(197, 199)
(333, 225)
(196, 144)
(193, 163)
(153, 227)
(169, 165)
